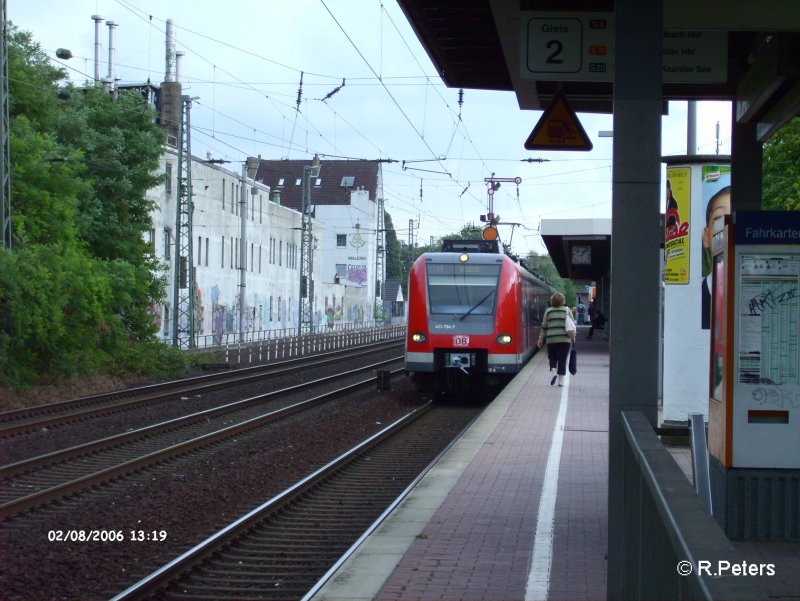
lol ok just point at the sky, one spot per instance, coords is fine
(243, 65)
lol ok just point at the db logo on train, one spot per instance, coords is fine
(460, 340)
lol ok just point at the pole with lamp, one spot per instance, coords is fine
(305, 314)
(249, 170)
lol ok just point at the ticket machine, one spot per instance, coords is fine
(754, 385)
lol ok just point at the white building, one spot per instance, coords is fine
(344, 226)
(344, 204)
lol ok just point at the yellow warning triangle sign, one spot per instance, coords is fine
(558, 129)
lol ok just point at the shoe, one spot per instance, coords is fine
(561, 386)
(553, 380)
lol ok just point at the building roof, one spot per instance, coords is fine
(392, 291)
(332, 186)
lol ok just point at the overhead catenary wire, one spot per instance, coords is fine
(316, 139)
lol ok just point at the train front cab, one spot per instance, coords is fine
(464, 322)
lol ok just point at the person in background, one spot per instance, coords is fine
(598, 321)
(581, 313)
(558, 331)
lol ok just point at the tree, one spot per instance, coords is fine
(74, 294)
(543, 267)
(468, 232)
(394, 258)
(781, 169)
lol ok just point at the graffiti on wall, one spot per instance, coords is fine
(199, 309)
(357, 273)
(217, 316)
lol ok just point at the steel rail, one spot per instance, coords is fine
(61, 490)
(16, 422)
(164, 575)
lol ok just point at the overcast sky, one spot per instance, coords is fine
(243, 61)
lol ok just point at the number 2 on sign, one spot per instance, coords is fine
(460, 340)
(559, 48)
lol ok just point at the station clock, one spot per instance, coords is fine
(581, 254)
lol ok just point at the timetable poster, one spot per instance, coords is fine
(768, 318)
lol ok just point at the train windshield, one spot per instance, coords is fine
(462, 289)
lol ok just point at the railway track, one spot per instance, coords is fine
(31, 483)
(281, 549)
(51, 415)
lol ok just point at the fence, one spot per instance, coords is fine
(667, 532)
(272, 345)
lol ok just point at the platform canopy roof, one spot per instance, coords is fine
(476, 44)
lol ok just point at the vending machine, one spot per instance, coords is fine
(754, 379)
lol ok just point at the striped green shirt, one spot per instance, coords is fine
(554, 325)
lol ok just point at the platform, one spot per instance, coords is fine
(517, 508)
(467, 530)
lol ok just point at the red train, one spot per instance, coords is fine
(474, 316)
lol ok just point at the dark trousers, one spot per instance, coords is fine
(558, 353)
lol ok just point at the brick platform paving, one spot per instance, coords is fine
(467, 531)
(476, 542)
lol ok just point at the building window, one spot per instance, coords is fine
(279, 308)
(206, 252)
(297, 183)
(280, 253)
(222, 264)
(270, 308)
(259, 258)
(167, 243)
(318, 183)
(168, 182)
(223, 193)
(153, 239)
(280, 182)
(166, 320)
(260, 208)
(341, 269)
(252, 247)
(341, 240)
(199, 250)
(233, 197)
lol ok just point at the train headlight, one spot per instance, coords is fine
(463, 257)
(418, 337)
(504, 339)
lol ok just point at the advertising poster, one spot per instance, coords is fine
(715, 189)
(677, 221)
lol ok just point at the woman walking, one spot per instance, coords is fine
(558, 331)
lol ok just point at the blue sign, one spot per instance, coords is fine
(767, 227)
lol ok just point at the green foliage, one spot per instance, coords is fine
(55, 321)
(781, 169)
(470, 231)
(394, 260)
(543, 267)
(121, 146)
(76, 291)
(32, 79)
